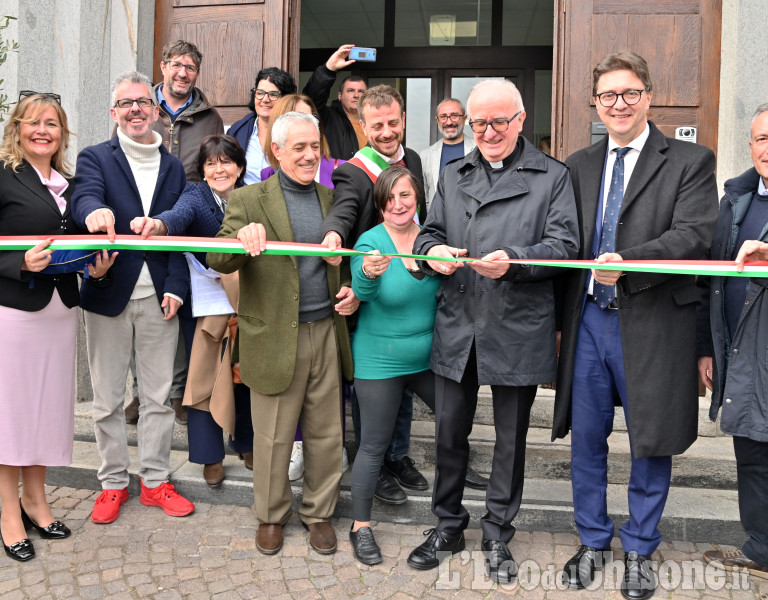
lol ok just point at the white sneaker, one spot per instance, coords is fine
(344, 460)
(296, 468)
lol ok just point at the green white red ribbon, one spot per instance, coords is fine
(725, 268)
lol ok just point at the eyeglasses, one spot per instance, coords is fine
(25, 93)
(630, 97)
(143, 102)
(274, 95)
(176, 66)
(498, 125)
(451, 117)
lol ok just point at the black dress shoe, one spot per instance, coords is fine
(438, 546)
(55, 531)
(366, 549)
(499, 564)
(639, 581)
(474, 480)
(387, 490)
(21, 551)
(579, 571)
(406, 474)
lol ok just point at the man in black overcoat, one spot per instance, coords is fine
(631, 336)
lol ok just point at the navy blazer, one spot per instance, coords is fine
(104, 179)
(195, 214)
(27, 208)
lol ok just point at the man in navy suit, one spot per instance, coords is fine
(136, 302)
(631, 336)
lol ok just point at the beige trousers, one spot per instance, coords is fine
(313, 400)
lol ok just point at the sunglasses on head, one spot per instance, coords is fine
(25, 93)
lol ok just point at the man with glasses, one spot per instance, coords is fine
(450, 119)
(186, 119)
(186, 116)
(495, 322)
(341, 120)
(631, 336)
(135, 304)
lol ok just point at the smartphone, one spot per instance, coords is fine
(362, 54)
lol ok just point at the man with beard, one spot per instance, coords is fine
(186, 116)
(450, 119)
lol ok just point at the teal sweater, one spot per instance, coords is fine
(396, 316)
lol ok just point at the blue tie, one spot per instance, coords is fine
(604, 294)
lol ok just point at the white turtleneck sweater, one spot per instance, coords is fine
(144, 160)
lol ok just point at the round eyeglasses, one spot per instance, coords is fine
(498, 125)
(630, 97)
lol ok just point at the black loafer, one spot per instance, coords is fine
(21, 551)
(639, 581)
(579, 571)
(366, 549)
(499, 564)
(55, 531)
(387, 490)
(406, 474)
(438, 546)
(474, 480)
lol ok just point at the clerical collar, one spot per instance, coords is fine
(505, 162)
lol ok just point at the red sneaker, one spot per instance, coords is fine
(166, 497)
(107, 507)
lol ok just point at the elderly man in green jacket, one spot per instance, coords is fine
(294, 343)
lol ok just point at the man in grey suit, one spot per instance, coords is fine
(450, 117)
(631, 336)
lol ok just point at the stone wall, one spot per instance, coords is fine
(743, 82)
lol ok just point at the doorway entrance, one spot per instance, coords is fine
(430, 50)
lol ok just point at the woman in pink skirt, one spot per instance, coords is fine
(38, 319)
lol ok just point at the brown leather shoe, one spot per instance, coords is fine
(247, 458)
(269, 538)
(732, 560)
(322, 537)
(181, 411)
(132, 411)
(214, 474)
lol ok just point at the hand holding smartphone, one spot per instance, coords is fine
(361, 54)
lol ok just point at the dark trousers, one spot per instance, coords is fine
(598, 376)
(455, 410)
(206, 441)
(752, 470)
(380, 402)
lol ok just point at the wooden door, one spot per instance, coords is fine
(680, 39)
(237, 39)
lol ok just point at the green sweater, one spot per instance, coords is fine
(396, 316)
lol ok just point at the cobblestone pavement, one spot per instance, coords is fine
(212, 554)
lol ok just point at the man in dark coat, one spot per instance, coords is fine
(631, 335)
(733, 330)
(341, 120)
(495, 321)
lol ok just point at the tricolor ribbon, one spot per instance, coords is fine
(723, 268)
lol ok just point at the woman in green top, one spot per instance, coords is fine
(392, 342)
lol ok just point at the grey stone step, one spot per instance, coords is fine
(702, 506)
(691, 514)
(543, 409)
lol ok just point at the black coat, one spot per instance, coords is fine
(27, 208)
(353, 211)
(668, 212)
(529, 213)
(341, 136)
